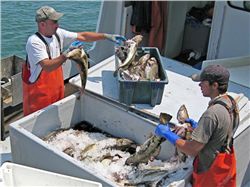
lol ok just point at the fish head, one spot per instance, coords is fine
(77, 54)
(164, 118)
(137, 39)
(124, 142)
(152, 61)
(182, 114)
(151, 69)
(143, 59)
(120, 53)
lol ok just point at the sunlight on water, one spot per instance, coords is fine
(18, 21)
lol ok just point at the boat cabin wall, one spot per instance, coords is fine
(213, 42)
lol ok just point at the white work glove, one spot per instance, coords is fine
(76, 44)
(118, 39)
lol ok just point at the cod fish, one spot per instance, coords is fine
(182, 114)
(137, 70)
(122, 144)
(182, 131)
(151, 148)
(53, 134)
(80, 58)
(148, 177)
(151, 69)
(129, 49)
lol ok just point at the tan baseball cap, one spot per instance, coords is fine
(46, 12)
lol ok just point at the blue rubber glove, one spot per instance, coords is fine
(193, 123)
(118, 39)
(165, 132)
(74, 45)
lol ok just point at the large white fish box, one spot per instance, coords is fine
(110, 116)
(12, 174)
(143, 91)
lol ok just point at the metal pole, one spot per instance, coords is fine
(2, 121)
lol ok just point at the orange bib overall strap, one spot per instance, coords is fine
(222, 172)
(47, 89)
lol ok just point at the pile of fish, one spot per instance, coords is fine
(107, 155)
(151, 148)
(79, 56)
(133, 66)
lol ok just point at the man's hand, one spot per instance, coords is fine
(165, 132)
(193, 123)
(118, 39)
(76, 44)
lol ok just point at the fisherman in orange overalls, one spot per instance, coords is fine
(42, 74)
(212, 138)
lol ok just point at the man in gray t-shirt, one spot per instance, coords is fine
(212, 138)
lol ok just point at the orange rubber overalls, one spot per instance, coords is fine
(222, 172)
(47, 89)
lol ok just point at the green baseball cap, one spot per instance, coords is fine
(46, 12)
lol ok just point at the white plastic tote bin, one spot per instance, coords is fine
(19, 175)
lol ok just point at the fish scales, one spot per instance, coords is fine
(149, 149)
(81, 59)
(182, 115)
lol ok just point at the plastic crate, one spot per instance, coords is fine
(144, 91)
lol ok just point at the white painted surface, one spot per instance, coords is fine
(5, 151)
(239, 68)
(12, 174)
(180, 89)
(229, 36)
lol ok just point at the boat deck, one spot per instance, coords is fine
(179, 90)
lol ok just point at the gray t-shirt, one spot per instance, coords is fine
(212, 130)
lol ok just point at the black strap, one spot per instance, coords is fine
(59, 41)
(47, 47)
